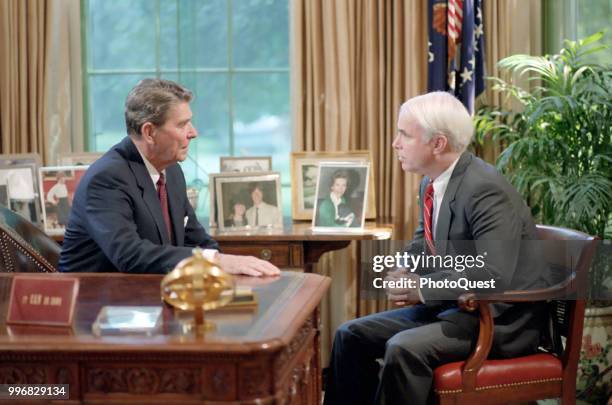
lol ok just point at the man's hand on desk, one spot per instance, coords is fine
(248, 265)
(403, 296)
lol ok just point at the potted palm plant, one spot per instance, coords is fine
(558, 154)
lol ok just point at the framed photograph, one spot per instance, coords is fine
(58, 184)
(213, 220)
(249, 201)
(341, 197)
(78, 158)
(24, 199)
(304, 172)
(245, 164)
(19, 190)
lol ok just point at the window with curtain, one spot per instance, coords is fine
(234, 56)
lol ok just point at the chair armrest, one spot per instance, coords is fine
(470, 301)
(473, 300)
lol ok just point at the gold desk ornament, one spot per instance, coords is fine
(197, 284)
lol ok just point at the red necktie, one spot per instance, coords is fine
(163, 199)
(427, 217)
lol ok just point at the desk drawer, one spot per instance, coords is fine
(280, 254)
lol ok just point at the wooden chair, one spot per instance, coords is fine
(24, 247)
(538, 376)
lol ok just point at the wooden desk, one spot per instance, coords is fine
(296, 245)
(271, 356)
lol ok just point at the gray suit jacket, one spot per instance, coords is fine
(116, 221)
(481, 212)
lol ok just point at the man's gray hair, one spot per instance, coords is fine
(440, 113)
(150, 100)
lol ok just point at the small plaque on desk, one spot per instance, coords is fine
(42, 300)
(127, 320)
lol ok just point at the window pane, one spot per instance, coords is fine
(168, 42)
(261, 112)
(211, 118)
(260, 33)
(202, 33)
(593, 16)
(183, 40)
(108, 93)
(121, 34)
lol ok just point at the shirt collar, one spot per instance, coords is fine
(441, 182)
(151, 169)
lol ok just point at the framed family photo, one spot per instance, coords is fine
(19, 188)
(78, 158)
(341, 197)
(245, 164)
(304, 172)
(250, 201)
(58, 184)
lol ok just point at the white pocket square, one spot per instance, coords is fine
(185, 220)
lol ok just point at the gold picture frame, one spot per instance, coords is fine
(304, 168)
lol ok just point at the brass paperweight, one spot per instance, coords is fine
(197, 284)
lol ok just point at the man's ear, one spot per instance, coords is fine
(440, 143)
(147, 130)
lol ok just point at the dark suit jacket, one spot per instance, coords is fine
(481, 212)
(116, 222)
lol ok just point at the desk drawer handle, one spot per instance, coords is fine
(266, 254)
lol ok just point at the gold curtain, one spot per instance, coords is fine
(40, 77)
(64, 86)
(22, 76)
(353, 63)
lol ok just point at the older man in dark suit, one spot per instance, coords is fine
(130, 212)
(466, 208)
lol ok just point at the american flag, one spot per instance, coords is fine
(456, 49)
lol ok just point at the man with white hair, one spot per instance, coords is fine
(467, 207)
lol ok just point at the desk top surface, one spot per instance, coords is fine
(302, 231)
(284, 304)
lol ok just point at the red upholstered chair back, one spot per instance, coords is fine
(24, 247)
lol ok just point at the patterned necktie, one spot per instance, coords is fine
(163, 199)
(256, 216)
(427, 217)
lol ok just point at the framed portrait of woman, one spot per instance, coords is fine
(304, 172)
(341, 197)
